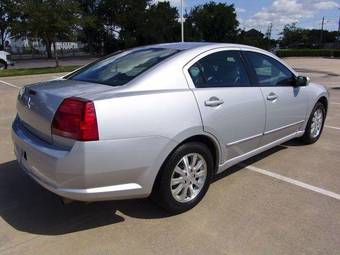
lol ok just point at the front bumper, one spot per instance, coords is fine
(91, 171)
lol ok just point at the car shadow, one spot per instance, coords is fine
(250, 161)
(294, 143)
(28, 207)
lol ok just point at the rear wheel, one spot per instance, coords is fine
(185, 177)
(3, 65)
(315, 124)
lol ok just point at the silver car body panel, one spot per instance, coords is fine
(142, 122)
(243, 105)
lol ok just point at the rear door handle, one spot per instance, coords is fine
(213, 102)
(272, 96)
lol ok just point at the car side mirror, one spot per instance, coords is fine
(302, 81)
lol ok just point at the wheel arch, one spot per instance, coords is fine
(324, 101)
(210, 143)
(207, 140)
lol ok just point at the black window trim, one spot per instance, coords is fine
(253, 75)
(246, 68)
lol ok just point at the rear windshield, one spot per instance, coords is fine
(121, 68)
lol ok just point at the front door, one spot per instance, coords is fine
(286, 104)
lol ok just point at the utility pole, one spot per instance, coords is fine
(339, 30)
(269, 35)
(321, 34)
(339, 26)
(269, 31)
(182, 22)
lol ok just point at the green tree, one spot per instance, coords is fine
(161, 24)
(123, 21)
(127, 23)
(212, 21)
(7, 15)
(48, 20)
(294, 37)
(255, 38)
(91, 25)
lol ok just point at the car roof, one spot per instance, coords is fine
(194, 45)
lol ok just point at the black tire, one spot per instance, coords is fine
(3, 65)
(308, 137)
(162, 192)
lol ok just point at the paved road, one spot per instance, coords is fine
(284, 201)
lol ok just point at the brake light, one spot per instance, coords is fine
(76, 119)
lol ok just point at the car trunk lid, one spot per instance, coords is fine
(37, 103)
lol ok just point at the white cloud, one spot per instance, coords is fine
(172, 2)
(238, 9)
(326, 5)
(282, 12)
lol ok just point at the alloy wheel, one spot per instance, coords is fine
(188, 177)
(317, 122)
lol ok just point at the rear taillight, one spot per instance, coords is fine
(76, 119)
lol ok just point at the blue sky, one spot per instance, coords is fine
(260, 13)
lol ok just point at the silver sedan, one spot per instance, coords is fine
(161, 121)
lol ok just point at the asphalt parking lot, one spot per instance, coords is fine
(284, 201)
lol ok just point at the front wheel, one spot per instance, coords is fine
(315, 124)
(185, 177)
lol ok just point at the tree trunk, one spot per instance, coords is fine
(48, 49)
(90, 45)
(55, 55)
(2, 43)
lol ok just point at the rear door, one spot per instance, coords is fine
(231, 109)
(286, 103)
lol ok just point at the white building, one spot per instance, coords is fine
(22, 44)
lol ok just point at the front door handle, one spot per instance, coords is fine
(272, 96)
(213, 102)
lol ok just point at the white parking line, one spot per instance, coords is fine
(337, 128)
(292, 181)
(9, 84)
(7, 118)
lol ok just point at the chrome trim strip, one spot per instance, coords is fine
(244, 140)
(119, 187)
(265, 133)
(237, 159)
(280, 128)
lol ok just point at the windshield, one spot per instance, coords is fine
(119, 69)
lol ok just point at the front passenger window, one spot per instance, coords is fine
(269, 71)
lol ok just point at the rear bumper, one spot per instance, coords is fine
(91, 171)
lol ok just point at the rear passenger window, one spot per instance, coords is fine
(269, 71)
(220, 69)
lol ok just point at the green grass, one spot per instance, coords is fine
(41, 70)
